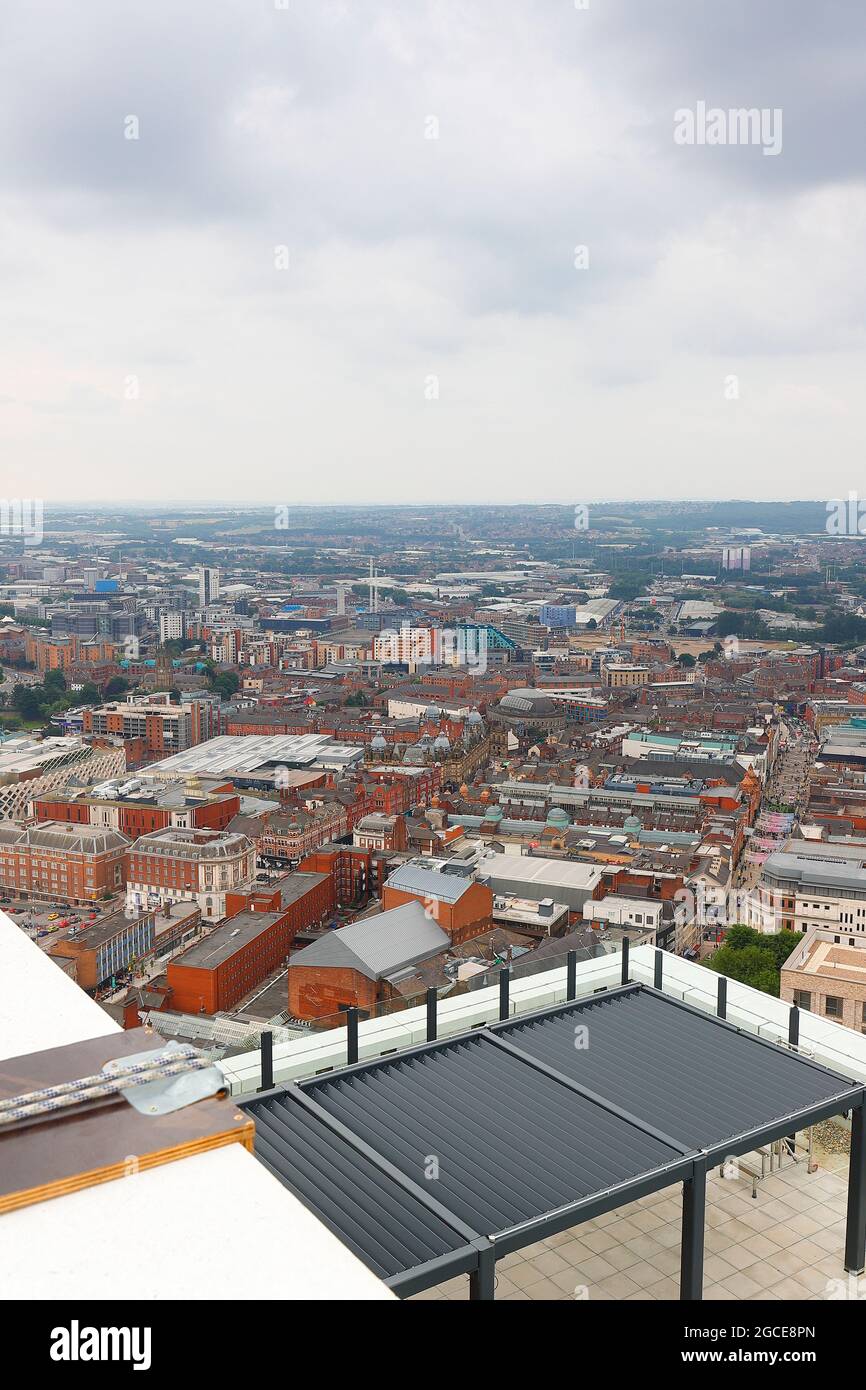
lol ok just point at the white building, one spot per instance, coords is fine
(171, 626)
(208, 585)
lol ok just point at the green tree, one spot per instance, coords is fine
(116, 686)
(225, 683)
(754, 958)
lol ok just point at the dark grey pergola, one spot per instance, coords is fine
(438, 1160)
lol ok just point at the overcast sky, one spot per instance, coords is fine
(431, 337)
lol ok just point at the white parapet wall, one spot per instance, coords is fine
(747, 1008)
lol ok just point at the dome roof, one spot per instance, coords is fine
(631, 823)
(433, 712)
(528, 702)
(442, 741)
(557, 816)
(473, 717)
(378, 741)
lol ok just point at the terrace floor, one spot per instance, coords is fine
(787, 1243)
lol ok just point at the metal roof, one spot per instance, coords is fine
(532, 1126)
(389, 1229)
(538, 1123)
(416, 877)
(676, 1069)
(377, 946)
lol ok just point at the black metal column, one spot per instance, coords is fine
(571, 975)
(625, 960)
(692, 1243)
(855, 1230)
(504, 982)
(658, 964)
(351, 1036)
(722, 998)
(431, 1015)
(267, 1055)
(482, 1281)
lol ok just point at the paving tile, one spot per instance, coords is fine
(619, 1285)
(591, 1271)
(599, 1241)
(544, 1291)
(550, 1262)
(647, 1247)
(743, 1286)
(790, 1290)
(645, 1275)
(621, 1257)
(717, 1268)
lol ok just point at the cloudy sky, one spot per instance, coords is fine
(342, 259)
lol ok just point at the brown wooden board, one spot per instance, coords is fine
(101, 1140)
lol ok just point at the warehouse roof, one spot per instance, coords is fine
(378, 946)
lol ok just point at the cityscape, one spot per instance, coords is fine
(432, 677)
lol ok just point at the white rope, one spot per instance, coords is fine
(68, 1093)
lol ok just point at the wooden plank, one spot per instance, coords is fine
(102, 1140)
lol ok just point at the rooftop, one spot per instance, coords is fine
(586, 1131)
(379, 945)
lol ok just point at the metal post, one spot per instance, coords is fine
(482, 1281)
(267, 1056)
(855, 1229)
(722, 1004)
(504, 980)
(351, 1035)
(431, 1015)
(571, 975)
(625, 960)
(692, 1240)
(794, 1026)
(657, 972)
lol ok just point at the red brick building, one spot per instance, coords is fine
(354, 966)
(135, 814)
(190, 865)
(354, 872)
(57, 862)
(217, 972)
(462, 907)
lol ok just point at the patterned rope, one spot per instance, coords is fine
(68, 1093)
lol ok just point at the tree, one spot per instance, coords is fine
(225, 683)
(116, 686)
(30, 705)
(54, 681)
(754, 958)
(686, 660)
(87, 695)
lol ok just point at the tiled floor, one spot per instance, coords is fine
(785, 1244)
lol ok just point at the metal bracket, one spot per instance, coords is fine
(172, 1093)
